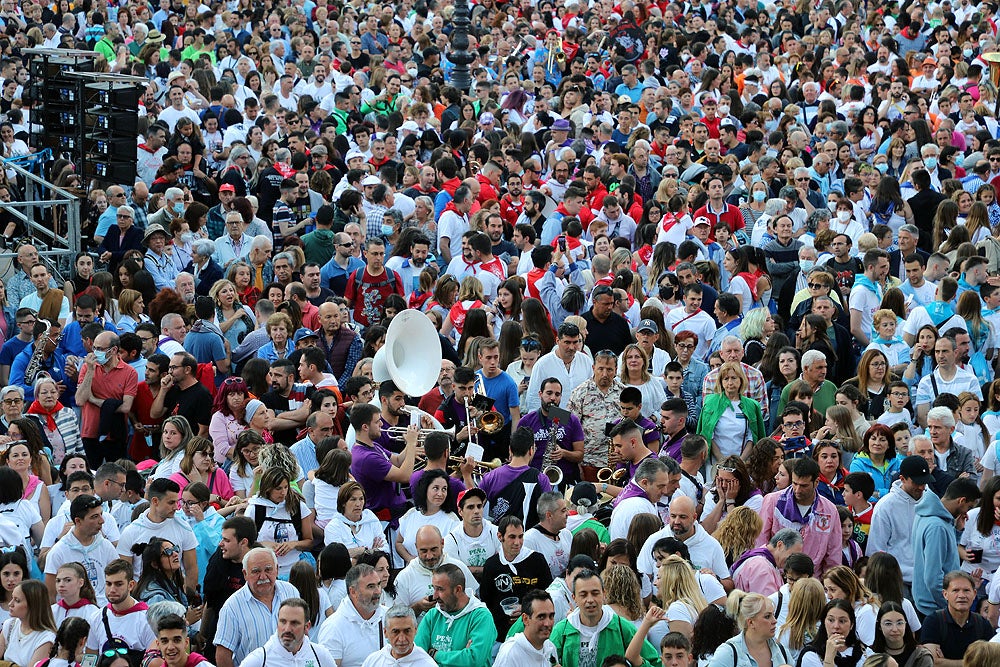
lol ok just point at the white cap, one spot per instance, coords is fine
(353, 153)
(370, 180)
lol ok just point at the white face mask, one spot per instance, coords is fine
(843, 216)
(723, 110)
(832, 205)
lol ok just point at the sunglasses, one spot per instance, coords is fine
(112, 652)
(817, 285)
(531, 344)
(170, 551)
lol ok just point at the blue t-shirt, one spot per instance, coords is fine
(11, 349)
(503, 390)
(205, 346)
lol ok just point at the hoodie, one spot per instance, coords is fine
(612, 639)
(461, 639)
(935, 552)
(891, 528)
(518, 652)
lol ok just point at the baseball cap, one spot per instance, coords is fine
(227, 187)
(410, 126)
(584, 495)
(370, 180)
(474, 492)
(354, 153)
(304, 333)
(702, 220)
(915, 468)
(647, 325)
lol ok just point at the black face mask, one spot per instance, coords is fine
(666, 292)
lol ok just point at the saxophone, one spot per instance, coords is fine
(34, 369)
(549, 469)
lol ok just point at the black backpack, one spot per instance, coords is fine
(260, 516)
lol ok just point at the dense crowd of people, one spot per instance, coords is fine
(716, 288)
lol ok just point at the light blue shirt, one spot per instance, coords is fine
(226, 251)
(245, 623)
(162, 268)
(305, 452)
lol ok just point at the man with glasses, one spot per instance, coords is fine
(116, 198)
(335, 273)
(105, 376)
(235, 243)
(52, 361)
(84, 543)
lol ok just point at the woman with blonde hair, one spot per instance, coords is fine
(729, 418)
(738, 532)
(978, 222)
(234, 319)
(981, 654)
(680, 594)
(131, 306)
(805, 609)
(634, 372)
(623, 594)
(755, 644)
(756, 328)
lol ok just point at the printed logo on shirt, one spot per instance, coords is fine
(442, 642)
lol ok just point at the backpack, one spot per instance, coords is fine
(260, 516)
(359, 276)
(134, 656)
(519, 498)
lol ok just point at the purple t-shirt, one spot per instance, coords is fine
(567, 434)
(497, 480)
(369, 466)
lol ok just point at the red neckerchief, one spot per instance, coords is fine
(82, 602)
(147, 149)
(451, 207)
(138, 606)
(36, 409)
(285, 170)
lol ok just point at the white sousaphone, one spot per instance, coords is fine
(411, 358)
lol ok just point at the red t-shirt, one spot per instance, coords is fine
(119, 382)
(368, 299)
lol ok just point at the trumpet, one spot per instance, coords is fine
(556, 56)
(479, 467)
(399, 432)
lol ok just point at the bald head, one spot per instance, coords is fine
(430, 546)
(682, 517)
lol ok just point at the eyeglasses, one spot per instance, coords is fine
(146, 339)
(13, 401)
(26, 323)
(185, 503)
(879, 364)
(684, 346)
(170, 551)
(798, 424)
(899, 394)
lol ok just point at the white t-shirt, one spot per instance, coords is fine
(20, 648)
(25, 515)
(94, 559)
(918, 318)
(410, 522)
(55, 525)
(622, 515)
(324, 499)
(278, 527)
(556, 552)
(132, 628)
(142, 530)
(865, 302)
(963, 381)
(473, 551)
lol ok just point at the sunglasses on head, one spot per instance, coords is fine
(531, 344)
